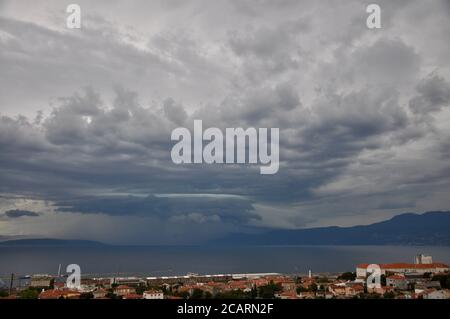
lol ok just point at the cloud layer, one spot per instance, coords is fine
(86, 115)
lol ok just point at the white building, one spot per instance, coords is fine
(153, 294)
(402, 268)
(41, 281)
(423, 259)
(436, 294)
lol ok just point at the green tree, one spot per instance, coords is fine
(182, 294)
(313, 287)
(444, 279)
(87, 295)
(140, 289)
(322, 280)
(111, 295)
(29, 293)
(254, 293)
(383, 280)
(207, 295)
(389, 295)
(197, 294)
(301, 289)
(348, 276)
(268, 291)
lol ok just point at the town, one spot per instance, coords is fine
(423, 279)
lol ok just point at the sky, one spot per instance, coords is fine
(86, 115)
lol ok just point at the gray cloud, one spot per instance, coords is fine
(232, 210)
(86, 116)
(434, 94)
(16, 213)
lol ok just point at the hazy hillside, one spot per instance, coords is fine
(431, 228)
(49, 242)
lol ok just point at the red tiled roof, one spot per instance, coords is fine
(239, 284)
(358, 287)
(288, 294)
(214, 284)
(55, 294)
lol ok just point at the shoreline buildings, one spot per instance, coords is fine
(423, 264)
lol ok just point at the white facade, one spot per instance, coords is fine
(423, 259)
(361, 270)
(153, 294)
(437, 294)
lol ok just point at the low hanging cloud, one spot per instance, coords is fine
(17, 213)
(197, 208)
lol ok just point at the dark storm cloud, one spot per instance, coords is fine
(228, 210)
(434, 94)
(349, 123)
(16, 213)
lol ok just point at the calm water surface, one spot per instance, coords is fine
(179, 260)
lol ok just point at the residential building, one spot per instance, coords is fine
(307, 295)
(436, 294)
(361, 269)
(427, 285)
(379, 290)
(41, 281)
(353, 289)
(397, 282)
(59, 294)
(337, 289)
(423, 259)
(153, 294)
(123, 290)
(128, 281)
(99, 293)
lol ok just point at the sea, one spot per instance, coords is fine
(109, 261)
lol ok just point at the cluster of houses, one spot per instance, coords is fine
(94, 288)
(405, 280)
(400, 280)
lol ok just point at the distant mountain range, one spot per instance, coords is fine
(431, 228)
(50, 242)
